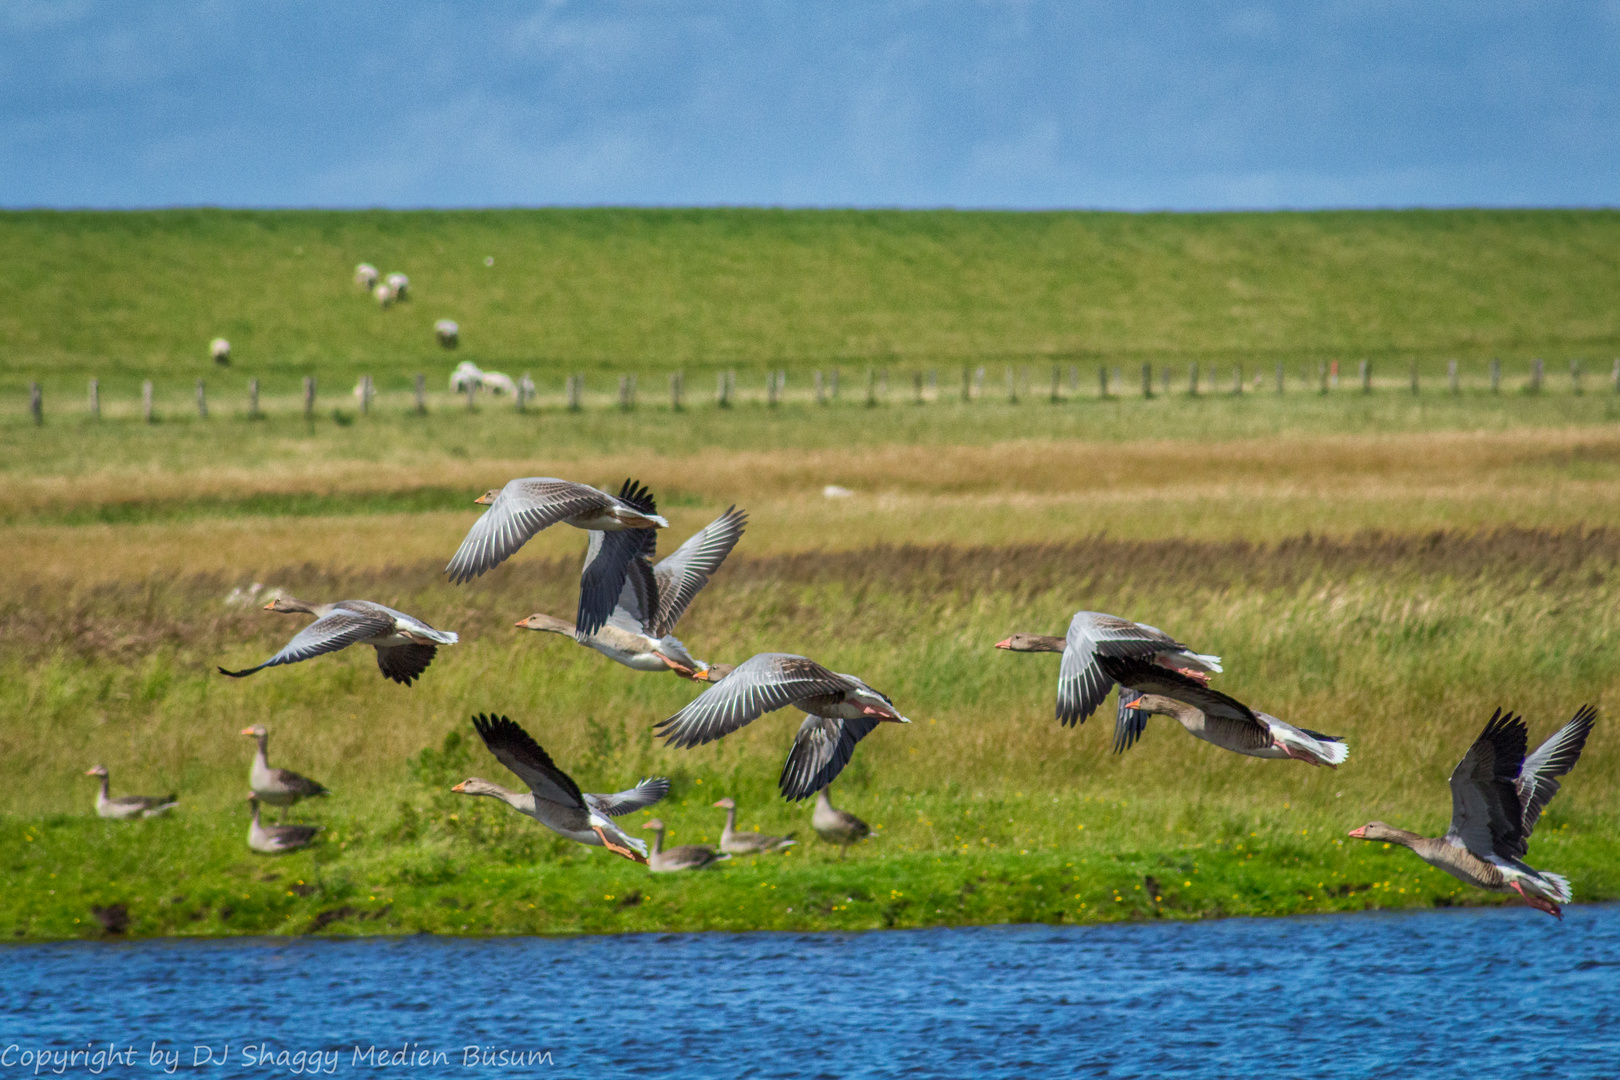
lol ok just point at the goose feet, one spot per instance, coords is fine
(619, 849)
(1301, 755)
(1540, 903)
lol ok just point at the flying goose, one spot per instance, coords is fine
(278, 787)
(837, 826)
(842, 710)
(1149, 687)
(271, 839)
(1497, 795)
(640, 632)
(524, 507)
(126, 807)
(405, 645)
(733, 842)
(553, 799)
(1082, 686)
(685, 857)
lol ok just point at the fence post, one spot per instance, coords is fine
(1279, 376)
(1147, 380)
(722, 399)
(95, 399)
(871, 387)
(576, 392)
(1012, 385)
(1365, 372)
(253, 398)
(309, 397)
(1192, 378)
(933, 383)
(1237, 378)
(1496, 374)
(1575, 375)
(421, 394)
(917, 386)
(1164, 379)
(520, 396)
(146, 400)
(1322, 371)
(677, 383)
(202, 400)
(1074, 380)
(36, 403)
(1451, 377)
(821, 390)
(770, 389)
(1535, 375)
(1102, 380)
(1616, 375)
(472, 394)
(1413, 369)
(367, 390)
(627, 392)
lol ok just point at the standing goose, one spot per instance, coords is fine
(837, 826)
(126, 807)
(278, 787)
(685, 857)
(1082, 685)
(1497, 795)
(1148, 687)
(733, 842)
(640, 632)
(524, 507)
(271, 839)
(553, 799)
(405, 644)
(842, 710)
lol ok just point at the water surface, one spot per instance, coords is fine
(1458, 993)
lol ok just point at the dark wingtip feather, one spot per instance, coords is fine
(238, 674)
(638, 495)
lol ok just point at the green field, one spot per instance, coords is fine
(1380, 565)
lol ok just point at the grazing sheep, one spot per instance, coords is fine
(384, 294)
(447, 332)
(496, 383)
(400, 284)
(365, 276)
(220, 350)
(465, 375)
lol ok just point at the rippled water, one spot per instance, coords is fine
(1460, 993)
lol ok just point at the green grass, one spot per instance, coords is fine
(127, 296)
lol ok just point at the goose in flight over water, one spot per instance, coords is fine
(553, 799)
(405, 644)
(125, 807)
(842, 710)
(524, 507)
(1497, 795)
(1147, 687)
(278, 787)
(1082, 685)
(640, 632)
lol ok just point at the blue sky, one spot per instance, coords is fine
(1183, 105)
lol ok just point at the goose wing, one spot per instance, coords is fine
(523, 508)
(329, 633)
(1129, 723)
(606, 577)
(682, 575)
(1537, 782)
(405, 663)
(1227, 721)
(820, 751)
(402, 621)
(1082, 686)
(763, 683)
(640, 797)
(517, 750)
(1486, 817)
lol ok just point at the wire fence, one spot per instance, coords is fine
(872, 386)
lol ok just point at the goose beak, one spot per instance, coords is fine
(1359, 834)
(1007, 644)
(89, 772)
(271, 606)
(482, 500)
(522, 624)
(461, 787)
(245, 731)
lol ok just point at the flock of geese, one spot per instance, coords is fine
(628, 609)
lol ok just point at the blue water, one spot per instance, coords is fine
(1459, 993)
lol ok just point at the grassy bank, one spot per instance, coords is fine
(127, 296)
(1404, 646)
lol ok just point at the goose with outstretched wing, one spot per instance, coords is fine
(640, 633)
(553, 799)
(526, 506)
(1082, 684)
(1149, 688)
(405, 644)
(842, 710)
(1497, 796)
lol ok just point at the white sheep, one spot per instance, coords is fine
(447, 332)
(465, 375)
(400, 284)
(365, 276)
(384, 294)
(220, 350)
(496, 383)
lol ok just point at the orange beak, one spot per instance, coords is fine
(523, 623)
(1004, 644)
(245, 731)
(89, 772)
(1359, 834)
(270, 606)
(482, 500)
(460, 787)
